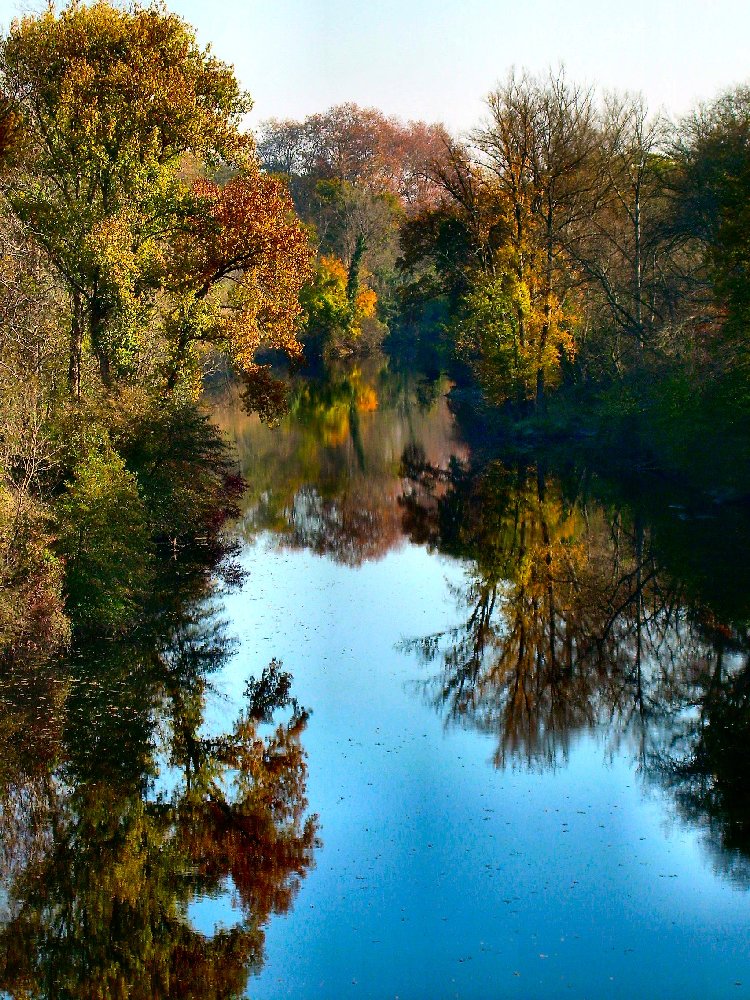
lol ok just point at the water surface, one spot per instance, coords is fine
(470, 726)
(513, 747)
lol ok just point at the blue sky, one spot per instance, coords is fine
(436, 59)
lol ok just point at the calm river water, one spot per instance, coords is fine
(509, 756)
(521, 748)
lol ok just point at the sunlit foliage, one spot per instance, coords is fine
(112, 105)
(338, 311)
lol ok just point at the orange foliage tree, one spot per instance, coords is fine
(241, 267)
(361, 146)
(339, 310)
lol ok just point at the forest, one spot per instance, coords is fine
(584, 260)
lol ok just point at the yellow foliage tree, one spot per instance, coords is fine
(338, 309)
(110, 105)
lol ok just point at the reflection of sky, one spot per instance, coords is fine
(440, 876)
(209, 914)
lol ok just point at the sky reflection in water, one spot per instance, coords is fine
(454, 863)
(527, 753)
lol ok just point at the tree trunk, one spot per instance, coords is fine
(179, 358)
(352, 284)
(540, 400)
(96, 326)
(105, 370)
(547, 324)
(76, 347)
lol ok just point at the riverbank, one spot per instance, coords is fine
(661, 430)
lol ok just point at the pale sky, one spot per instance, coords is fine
(437, 59)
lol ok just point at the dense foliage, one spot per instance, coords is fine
(139, 242)
(355, 176)
(585, 258)
(589, 246)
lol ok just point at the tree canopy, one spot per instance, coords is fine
(123, 128)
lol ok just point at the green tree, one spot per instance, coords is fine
(340, 309)
(120, 118)
(491, 336)
(109, 102)
(713, 188)
(536, 152)
(105, 541)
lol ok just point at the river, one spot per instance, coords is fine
(511, 741)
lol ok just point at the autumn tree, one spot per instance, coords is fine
(639, 274)
(359, 226)
(513, 200)
(712, 185)
(358, 145)
(634, 146)
(32, 358)
(113, 105)
(242, 263)
(447, 255)
(536, 150)
(356, 176)
(340, 311)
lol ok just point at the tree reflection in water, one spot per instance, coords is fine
(327, 479)
(705, 762)
(117, 812)
(572, 623)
